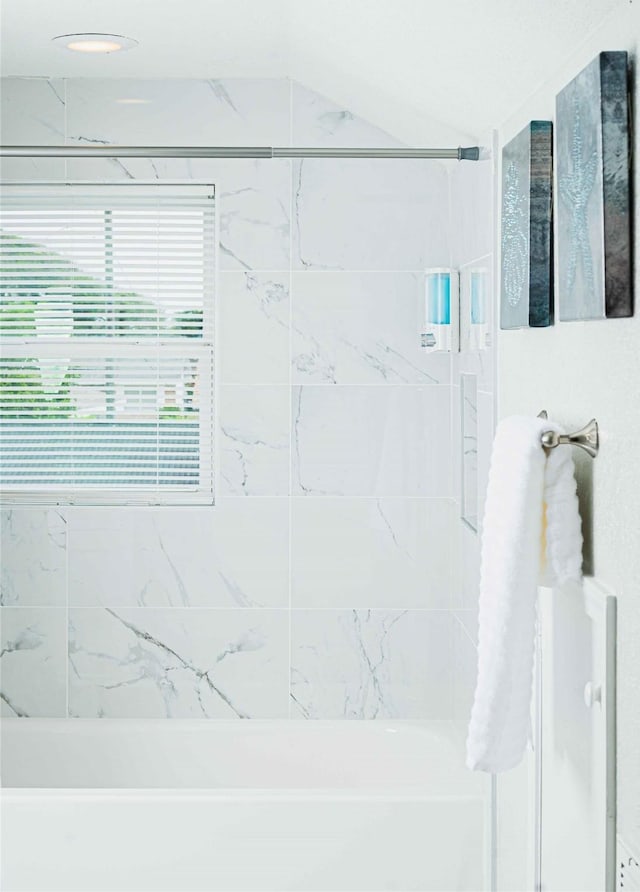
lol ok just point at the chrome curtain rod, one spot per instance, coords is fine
(468, 153)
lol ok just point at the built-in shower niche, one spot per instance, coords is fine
(469, 447)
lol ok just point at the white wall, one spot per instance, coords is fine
(429, 72)
(583, 369)
(320, 583)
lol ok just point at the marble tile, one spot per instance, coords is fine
(254, 212)
(33, 647)
(170, 111)
(32, 112)
(369, 215)
(254, 425)
(371, 441)
(470, 564)
(468, 619)
(361, 328)
(253, 201)
(178, 663)
(368, 664)
(103, 554)
(486, 431)
(469, 451)
(181, 557)
(472, 210)
(465, 663)
(253, 196)
(33, 545)
(456, 440)
(383, 553)
(466, 576)
(253, 314)
(317, 121)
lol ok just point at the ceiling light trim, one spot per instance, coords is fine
(90, 42)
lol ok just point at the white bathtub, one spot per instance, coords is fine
(184, 806)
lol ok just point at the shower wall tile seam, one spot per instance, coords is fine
(291, 428)
(234, 497)
(302, 498)
(488, 256)
(244, 610)
(450, 214)
(64, 514)
(382, 385)
(374, 497)
(305, 270)
(254, 271)
(347, 270)
(482, 388)
(463, 627)
(65, 130)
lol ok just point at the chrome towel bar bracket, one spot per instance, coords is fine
(586, 438)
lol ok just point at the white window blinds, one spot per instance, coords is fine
(106, 335)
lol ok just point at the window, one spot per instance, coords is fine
(106, 336)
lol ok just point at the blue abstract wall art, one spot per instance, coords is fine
(526, 297)
(593, 208)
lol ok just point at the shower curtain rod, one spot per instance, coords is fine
(468, 153)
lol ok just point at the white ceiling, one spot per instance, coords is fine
(422, 69)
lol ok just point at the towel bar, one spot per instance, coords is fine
(586, 438)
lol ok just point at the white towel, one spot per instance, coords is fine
(519, 551)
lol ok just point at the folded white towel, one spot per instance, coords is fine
(519, 551)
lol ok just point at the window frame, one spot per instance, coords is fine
(204, 349)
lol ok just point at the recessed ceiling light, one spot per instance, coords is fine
(95, 43)
(126, 100)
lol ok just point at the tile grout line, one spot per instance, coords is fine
(335, 386)
(308, 271)
(290, 382)
(453, 464)
(464, 628)
(233, 497)
(476, 260)
(66, 655)
(66, 509)
(66, 127)
(390, 608)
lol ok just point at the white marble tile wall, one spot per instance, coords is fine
(341, 209)
(368, 664)
(316, 121)
(360, 328)
(466, 664)
(178, 663)
(32, 112)
(320, 584)
(371, 552)
(253, 446)
(33, 662)
(253, 312)
(234, 556)
(371, 441)
(34, 556)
